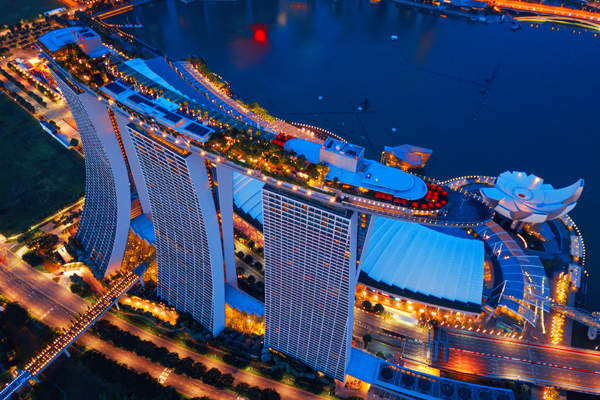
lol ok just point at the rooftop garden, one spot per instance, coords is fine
(258, 153)
(86, 70)
(200, 65)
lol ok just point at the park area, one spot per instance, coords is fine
(39, 176)
(15, 10)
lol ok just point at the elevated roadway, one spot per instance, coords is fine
(557, 13)
(490, 356)
(60, 345)
(56, 305)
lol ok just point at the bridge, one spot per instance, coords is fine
(560, 19)
(578, 314)
(591, 19)
(60, 345)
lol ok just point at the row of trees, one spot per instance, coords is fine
(196, 370)
(12, 79)
(256, 393)
(24, 103)
(128, 382)
(248, 259)
(377, 308)
(146, 348)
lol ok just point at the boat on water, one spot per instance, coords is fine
(515, 27)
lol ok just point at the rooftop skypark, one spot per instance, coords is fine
(157, 95)
(171, 107)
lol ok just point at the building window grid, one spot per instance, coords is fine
(309, 315)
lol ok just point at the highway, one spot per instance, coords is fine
(543, 9)
(492, 356)
(483, 355)
(56, 305)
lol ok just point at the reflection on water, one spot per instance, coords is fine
(538, 117)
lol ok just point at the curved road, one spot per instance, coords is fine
(55, 305)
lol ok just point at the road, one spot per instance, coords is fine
(492, 356)
(55, 305)
(549, 10)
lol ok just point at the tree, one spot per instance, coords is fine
(366, 305)
(551, 393)
(213, 378)
(73, 143)
(227, 380)
(240, 254)
(251, 244)
(269, 394)
(254, 393)
(240, 271)
(45, 242)
(248, 259)
(198, 370)
(184, 366)
(251, 280)
(258, 266)
(242, 388)
(33, 258)
(367, 339)
(15, 314)
(378, 308)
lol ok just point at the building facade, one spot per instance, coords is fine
(189, 255)
(104, 223)
(310, 271)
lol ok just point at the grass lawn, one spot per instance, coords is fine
(39, 176)
(15, 10)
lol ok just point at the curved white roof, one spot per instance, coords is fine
(369, 174)
(526, 198)
(247, 195)
(412, 257)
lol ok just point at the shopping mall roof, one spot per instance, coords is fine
(144, 228)
(247, 195)
(412, 257)
(242, 301)
(369, 174)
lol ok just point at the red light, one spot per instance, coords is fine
(260, 35)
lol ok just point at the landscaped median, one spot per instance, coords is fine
(186, 366)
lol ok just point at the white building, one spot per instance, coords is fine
(104, 224)
(310, 276)
(188, 245)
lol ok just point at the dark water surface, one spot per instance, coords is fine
(540, 117)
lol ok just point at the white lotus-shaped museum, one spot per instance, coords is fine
(526, 198)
